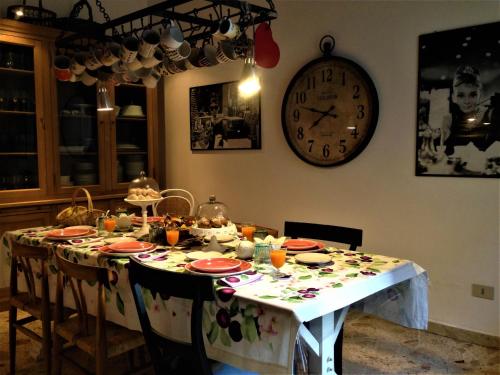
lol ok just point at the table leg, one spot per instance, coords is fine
(321, 338)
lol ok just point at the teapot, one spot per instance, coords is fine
(123, 221)
(245, 249)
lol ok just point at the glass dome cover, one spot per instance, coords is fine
(143, 188)
(212, 214)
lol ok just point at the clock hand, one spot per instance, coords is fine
(312, 109)
(324, 114)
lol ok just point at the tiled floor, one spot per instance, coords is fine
(371, 346)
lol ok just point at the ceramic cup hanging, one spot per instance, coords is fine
(149, 41)
(62, 67)
(129, 49)
(171, 37)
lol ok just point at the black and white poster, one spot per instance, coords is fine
(458, 114)
(220, 119)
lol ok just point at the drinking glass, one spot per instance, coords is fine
(247, 230)
(172, 236)
(278, 257)
(109, 225)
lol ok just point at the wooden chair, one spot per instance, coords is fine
(38, 307)
(349, 236)
(172, 284)
(175, 201)
(93, 335)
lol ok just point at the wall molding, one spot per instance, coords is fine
(460, 334)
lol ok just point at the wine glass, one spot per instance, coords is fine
(278, 257)
(172, 233)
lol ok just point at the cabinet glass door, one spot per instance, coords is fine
(79, 134)
(18, 122)
(131, 132)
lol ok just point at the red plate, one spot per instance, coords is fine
(131, 247)
(150, 219)
(216, 264)
(68, 232)
(244, 267)
(298, 244)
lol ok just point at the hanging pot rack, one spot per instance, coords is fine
(196, 23)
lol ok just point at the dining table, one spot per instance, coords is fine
(257, 322)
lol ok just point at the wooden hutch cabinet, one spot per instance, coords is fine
(52, 139)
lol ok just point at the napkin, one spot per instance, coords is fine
(84, 241)
(157, 255)
(242, 279)
(275, 242)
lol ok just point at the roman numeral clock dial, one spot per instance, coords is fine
(330, 109)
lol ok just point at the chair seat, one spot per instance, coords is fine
(23, 302)
(119, 339)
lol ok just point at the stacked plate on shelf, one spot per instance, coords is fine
(85, 173)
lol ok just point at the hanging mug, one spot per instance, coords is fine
(227, 29)
(129, 49)
(78, 63)
(171, 37)
(92, 61)
(62, 68)
(110, 54)
(89, 77)
(151, 80)
(154, 60)
(150, 40)
(182, 52)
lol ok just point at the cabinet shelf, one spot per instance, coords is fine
(125, 118)
(127, 152)
(77, 116)
(16, 71)
(18, 153)
(77, 153)
(23, 113)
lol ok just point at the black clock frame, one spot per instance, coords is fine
(373, 123)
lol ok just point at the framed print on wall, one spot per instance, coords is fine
(220, 119)
(458, 109)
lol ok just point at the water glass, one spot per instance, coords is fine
(262, 253)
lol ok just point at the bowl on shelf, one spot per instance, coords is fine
(132, 111)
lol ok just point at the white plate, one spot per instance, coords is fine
(312, 258)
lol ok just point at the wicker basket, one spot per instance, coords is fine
(79, 215)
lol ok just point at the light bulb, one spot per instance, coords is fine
(19, 12)
(249, 83)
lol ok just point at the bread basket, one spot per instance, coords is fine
(79, 215)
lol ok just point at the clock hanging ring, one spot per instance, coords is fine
(330, 109)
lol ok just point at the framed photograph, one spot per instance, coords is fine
(458, 109)
(220, 119)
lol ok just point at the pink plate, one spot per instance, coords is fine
(298, 244)
(131, 247)
(244, 267)
(68, 232)
(150, 219)
(216, 264)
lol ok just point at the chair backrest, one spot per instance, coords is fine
(22, 256)
(351, 236)
(172, 284)
(175, 201)
(77, 272)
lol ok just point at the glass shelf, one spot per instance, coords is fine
(22, 113)
(16, 71)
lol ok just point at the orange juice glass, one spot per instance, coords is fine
(278, 258)
(172, 237)
(247, 230)
(109, 224)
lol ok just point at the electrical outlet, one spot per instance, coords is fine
(483, 291)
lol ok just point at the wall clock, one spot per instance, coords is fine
(330, 109)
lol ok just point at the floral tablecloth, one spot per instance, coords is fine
(253, 326)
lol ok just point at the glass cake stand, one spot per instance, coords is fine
(144, 204)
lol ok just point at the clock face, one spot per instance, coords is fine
(330, 111)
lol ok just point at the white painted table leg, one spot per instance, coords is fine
(325, 330)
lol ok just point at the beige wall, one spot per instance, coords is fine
(450, 226)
